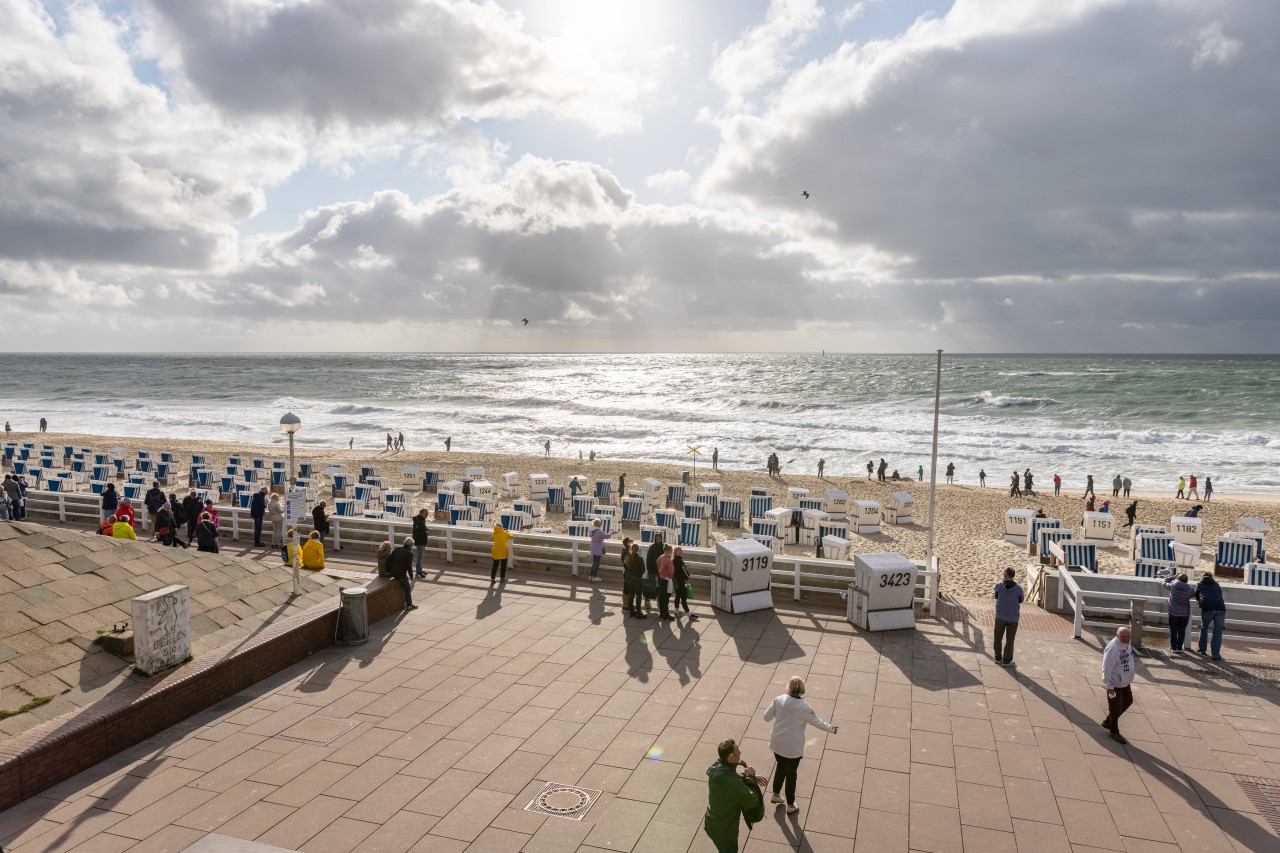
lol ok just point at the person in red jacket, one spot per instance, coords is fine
(125, 513)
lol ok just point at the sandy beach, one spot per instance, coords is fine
(968, 524)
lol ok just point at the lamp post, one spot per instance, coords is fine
(290, 424)
(933, 464)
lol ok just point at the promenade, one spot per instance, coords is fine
(436, 734)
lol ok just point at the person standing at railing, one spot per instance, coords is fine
(666, 580)
(420, 539)
(1213, 612)
(633, 581)
(501, 552)
(1180, 595)
(110, 500)
(258, 512)
(598, 537)
(275, 514)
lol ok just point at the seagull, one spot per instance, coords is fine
(526, 322)
(804, 193)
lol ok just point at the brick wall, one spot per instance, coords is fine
(63, 747)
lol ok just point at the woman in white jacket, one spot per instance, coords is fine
(790, 714)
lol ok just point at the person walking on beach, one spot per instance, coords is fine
(1182, 487)
(982, 477)
(622, 487)
(1117, 676)
(1126, 485)
(400, 564)
(715, 459)
(319, 520)
(951, 473)
(884, 466)
(1015, 489)
(920, 473)
(1009, 598)
(822, 463)
(388, 442)
(790, 715)
(420, 538)
(1208, 488)
(110, 498)
(731, 798)
(401, 439)
(258, 512)
(1088, 486)
(351, 443)
(1116, 485)
(871, 467)
(598, 537)
(1213, 612)
(8, 430)
(1131, 513)
(632, 579)
(500, 552)
(1027, 482)
(44, 425)
(546, 449)
(1180, 595)
(448, 444)
(1193, 494)
(275, 515)
(666, 582)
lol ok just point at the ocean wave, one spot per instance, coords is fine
(352, 409)
(1005, 401)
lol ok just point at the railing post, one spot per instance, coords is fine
(235, 522)
(337, 533)
(62, 507)
(795, 570)
(448, 544)
(1062, 590)
(574, 546)
(933, 583)
(1078, 625)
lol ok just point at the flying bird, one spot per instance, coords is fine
(804, 193)
(526, 322)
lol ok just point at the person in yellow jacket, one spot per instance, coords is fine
(123, 530)
(313, 552)
(290, 552)
(501, 552)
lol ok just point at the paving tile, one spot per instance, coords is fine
(466, 820)
(620, 825)
(1089, 823)
(881, 832)
(401, 832)
(984, 806)
(935, 829)
(886, 791)
(1040, 837)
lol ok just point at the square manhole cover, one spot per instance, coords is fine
(320, 730)
(1265, 794)
(567, 801)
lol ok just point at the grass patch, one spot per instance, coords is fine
(30, 706)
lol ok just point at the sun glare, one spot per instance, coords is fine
(617, 23)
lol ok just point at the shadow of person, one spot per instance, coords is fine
(639, 654)
(490, 604)
(684, 654)
(598, 606)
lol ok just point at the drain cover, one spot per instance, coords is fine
(317, 730)
(1265, 794)
(566, 801)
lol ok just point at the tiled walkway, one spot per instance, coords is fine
(461, 711)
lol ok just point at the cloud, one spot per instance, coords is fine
(96, 166)
(389, 64)
(1213, 46)
(763, 52)
(1041, 139)
(668, 181)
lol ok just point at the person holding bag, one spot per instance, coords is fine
(683, 588)
(666, 580)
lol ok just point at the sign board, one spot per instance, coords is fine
(295, 506)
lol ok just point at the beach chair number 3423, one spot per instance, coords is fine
(896, 579)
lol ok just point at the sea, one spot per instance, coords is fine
(1151, 418)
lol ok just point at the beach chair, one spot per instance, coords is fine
(835, 503)
(459, 514)
(760, 505)
(1038, 524)
(1262, 574)
(1082, 555)
(604, 491)
(514, 521)
(1187, 530)
(794, 495)
(510, 484)
(244, 497)
(810, 521)
(1139, 530)
(582, 507)
(772, 542)
(835, 548)
(675, 494)
(1155, 546)
(764, 527)
(340, 484)
(57, 484)
(694, 509)
(279, 478)
(1099, 527)
(1255, 538)
(430, 480)
(811, 503)
(710, 500)
(538, 486)
(1156, 569)
(533, 509)
(781, 517)
(832, 527)
(250, 476)
(1234, 554)
(632, 510)
(864, 517)
(729, 513)
(1186, 556)
(97, 487)
(1017, 525)
(446, 500)
(555, 498)
(1046, 537)
(667, 518)
(649, 531)
(479, 509)
(134, 491)
(579, 529)
(691, 532)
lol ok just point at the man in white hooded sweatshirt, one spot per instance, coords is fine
(790, 714)
(1117, 675)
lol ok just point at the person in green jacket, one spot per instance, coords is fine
(730, 796)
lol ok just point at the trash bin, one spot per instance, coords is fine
(353, 617)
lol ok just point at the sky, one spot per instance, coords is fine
(1073, 176)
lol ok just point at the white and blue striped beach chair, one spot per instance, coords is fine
(1047, 535)
(446, 500)
(144, 454)
(367, 471)
(694, 509)
(97, 487)
(632, 510)
(205, 479)
(710, 500)
(1155, 546)
(9, 451)
(1234, 553)
(691, 532)
(199, 459)
(279, 478)
(462, 513)
(832, 527)
(514, 521)
(582, 507)
(1083, 555)
(760, 504)
(1154, 568)
(365, 494)
(1037, 524)
(306, 469)
(1262, 574)
(79, 465)
(57, 484)
(162, 471)
(258, 462)
(134, 491)
(761, 527)
(806, 503)
(250, 475)
(479, 509)
(533, 509)
(580, 529)
(604, 490)
(21, 466)
(676, 493)
(772, 542)
(341, 483)
(226, 483)
(244, 497)
(649, 531)
(555, 498)
(668, 518)
(396, 510)
(1256, 538)
(104, 472)
(729, 513)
